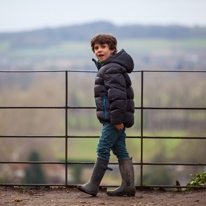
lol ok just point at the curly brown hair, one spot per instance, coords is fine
(105, 39)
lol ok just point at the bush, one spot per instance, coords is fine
(200, 180)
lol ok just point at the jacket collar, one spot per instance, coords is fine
(97, 63)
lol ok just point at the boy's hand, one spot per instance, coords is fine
(119, 126)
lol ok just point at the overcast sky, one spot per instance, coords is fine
(18, 15)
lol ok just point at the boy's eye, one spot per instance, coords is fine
(96, 48)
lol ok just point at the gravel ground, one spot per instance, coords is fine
(61, 196)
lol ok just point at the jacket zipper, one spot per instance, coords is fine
(104, 103)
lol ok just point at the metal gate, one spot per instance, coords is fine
(66, 136)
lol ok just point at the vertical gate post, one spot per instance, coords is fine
(66, 123)
(142, 96)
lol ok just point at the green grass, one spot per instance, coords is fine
(67, 49)
(82, 49)
(4, 46)
(142, 46)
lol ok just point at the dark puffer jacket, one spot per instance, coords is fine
(113, 92)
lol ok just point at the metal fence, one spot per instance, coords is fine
(66, 136)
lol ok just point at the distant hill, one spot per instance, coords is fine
(52, 36)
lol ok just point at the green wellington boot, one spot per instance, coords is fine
(92, 187)
(127, 172)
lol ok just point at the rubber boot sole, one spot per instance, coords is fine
(128, 192)
(121, 194)
(82, 189)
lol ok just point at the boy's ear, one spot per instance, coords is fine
(113, 50)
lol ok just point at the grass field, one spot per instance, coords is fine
(82, 49)
(151, 45)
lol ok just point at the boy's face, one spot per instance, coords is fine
(102, 51)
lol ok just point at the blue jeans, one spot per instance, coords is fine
(112, 139)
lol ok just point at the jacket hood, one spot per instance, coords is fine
(122, 58)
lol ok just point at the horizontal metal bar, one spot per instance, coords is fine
(70, 107)
(111, 163)
(32, 71)
(45, 162)
(168, 137)
(73, 107)
(30, 136)
(31, 162)
(59, 107)
(171, 186)
(175, 108)
(79, 136)
(178, 71)
(71, 137)
(151, 186)
(82, 71)
(49, 185)
(101, 186)
(32, 107)
(47, 71)
(37, 185)
(176, 164)
(95, 71)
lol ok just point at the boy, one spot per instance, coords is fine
(115, 110)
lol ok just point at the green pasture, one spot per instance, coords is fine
(82, 49)
(141, 46)
(68, 49)
(4, 46)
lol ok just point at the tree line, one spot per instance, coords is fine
(52, 36)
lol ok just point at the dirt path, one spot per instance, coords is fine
(60, 197)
